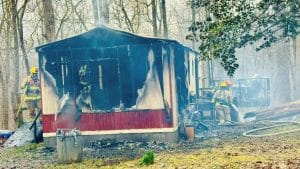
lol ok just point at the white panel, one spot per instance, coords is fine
(192, 74)
(150, 96)
(48, 92)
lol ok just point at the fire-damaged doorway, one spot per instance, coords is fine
(105, 84)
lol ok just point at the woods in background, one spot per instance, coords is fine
(25, 24)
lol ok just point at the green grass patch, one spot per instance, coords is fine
(18, 151)
(147, 159)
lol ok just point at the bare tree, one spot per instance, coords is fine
(127, 19)
(62, 19)
(20, 16)
(74, 9)
(131, 12)
(154, 16)
(104, 11)
(164, 18)
(9, 64)
(96, 12)
(16, 58)
(49, 20)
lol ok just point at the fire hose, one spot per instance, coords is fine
(286, 123)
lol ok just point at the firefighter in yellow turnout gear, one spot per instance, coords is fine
(222, 99)
(32, 97)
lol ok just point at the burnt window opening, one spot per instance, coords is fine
(59, 67)
(108, 77)
(116, 76)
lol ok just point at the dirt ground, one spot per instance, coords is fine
(219, 147)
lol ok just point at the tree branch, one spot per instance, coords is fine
(78, 15)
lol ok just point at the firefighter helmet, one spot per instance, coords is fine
(229, 83)
(223, 84)
(33, 69)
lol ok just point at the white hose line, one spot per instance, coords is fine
(247, 133)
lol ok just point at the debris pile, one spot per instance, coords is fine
(22, 136)
(110, 148)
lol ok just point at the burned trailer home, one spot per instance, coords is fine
(113, 84)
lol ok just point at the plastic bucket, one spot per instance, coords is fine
(190, 132)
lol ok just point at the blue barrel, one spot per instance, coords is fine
(5, 134)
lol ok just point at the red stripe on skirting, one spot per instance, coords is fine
(139, 119)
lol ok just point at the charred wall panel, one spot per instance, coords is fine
(111, 82)
(157, 48)
(140, 66)
(126, 77)
(181, 75)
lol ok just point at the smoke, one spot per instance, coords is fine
(101, 12)
(61, 104)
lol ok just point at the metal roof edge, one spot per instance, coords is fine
(38, 48)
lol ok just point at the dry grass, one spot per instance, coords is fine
(282, 151)
(272, 152)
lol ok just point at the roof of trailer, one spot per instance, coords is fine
(102, 37)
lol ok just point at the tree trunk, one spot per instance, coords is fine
(282, 92)
(164, 18)
(16, 61)
(127, 20)
(5, 108)
(297, 74)
(21, 35)
(82, 21)
(104, 12)
(292, 67)
(49, 21)
(95, 11)
(154, 15)
(4, 85)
